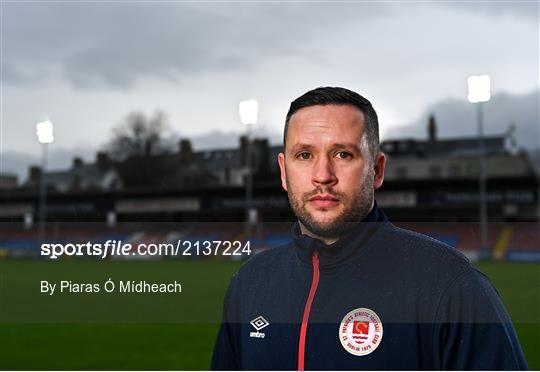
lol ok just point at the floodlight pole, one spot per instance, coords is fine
(249, 180)
(248, 111)
(43, 192)
(484, 243)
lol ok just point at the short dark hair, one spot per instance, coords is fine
(339, 96)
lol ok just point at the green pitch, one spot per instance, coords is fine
(519, 286)
(152, 331)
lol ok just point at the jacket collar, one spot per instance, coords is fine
(343, 250)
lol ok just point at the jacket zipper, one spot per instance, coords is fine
(307, 309)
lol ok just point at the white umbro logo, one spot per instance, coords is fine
(258, 323)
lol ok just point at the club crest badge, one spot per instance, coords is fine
(360, 331)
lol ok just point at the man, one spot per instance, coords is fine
(352, 291)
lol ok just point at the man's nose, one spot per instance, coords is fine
(323, 172)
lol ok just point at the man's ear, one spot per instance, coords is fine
(379, 165)
(281, 162)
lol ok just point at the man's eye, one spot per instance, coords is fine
(343, 155)
(303, 155)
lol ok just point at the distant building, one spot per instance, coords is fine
(432, 179)
(230, 166)
(101, 175)
(435, 158)
(8, 181)
(408, 159)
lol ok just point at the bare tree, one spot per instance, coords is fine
(139, 136)
(137, 146)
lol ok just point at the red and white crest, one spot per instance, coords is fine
(360, 331)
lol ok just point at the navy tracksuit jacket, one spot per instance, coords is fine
(379, 298)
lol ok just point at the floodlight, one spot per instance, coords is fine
(479, 88)
(248, 111)
(44, 132)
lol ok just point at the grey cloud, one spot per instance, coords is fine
(114, 44)
(520, 10)
(458, 118)
(11, 74)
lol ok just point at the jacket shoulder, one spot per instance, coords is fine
(426, 249)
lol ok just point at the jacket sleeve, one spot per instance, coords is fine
(473, 330)
(226, 349)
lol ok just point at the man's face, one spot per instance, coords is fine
(327, 168)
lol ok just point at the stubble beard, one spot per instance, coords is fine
(357, 206)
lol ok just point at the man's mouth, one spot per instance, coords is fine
(324, 201)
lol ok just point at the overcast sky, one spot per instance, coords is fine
(86, 65)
